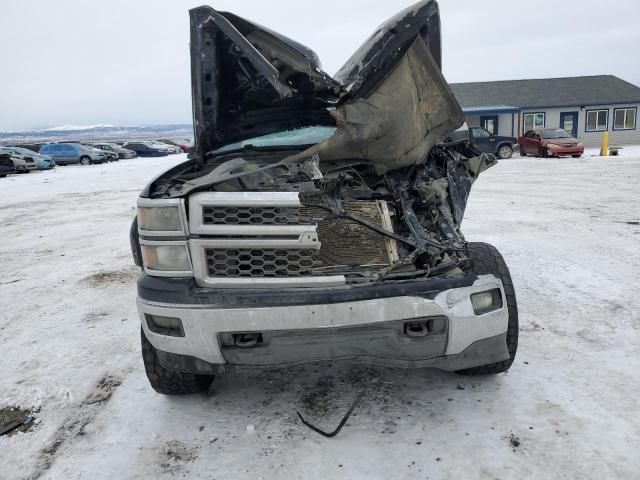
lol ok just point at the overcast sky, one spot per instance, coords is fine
(126, 62)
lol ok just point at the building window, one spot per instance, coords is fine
(533, 121)
(597, 120)
(490, 124)
(624, 118)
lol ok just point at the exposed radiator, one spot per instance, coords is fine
(347, 242)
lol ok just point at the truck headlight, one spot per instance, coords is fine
(162, 235)
(168, 258)
(160, 217)
(552, 146)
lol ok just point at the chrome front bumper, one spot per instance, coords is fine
(204, 324)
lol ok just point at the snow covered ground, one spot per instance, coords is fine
(568, 408)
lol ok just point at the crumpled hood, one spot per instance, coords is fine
(399, 122)
(390, 102)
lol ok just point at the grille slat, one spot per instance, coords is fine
(223, 215)
(261, 262)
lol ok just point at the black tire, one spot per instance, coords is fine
(522, 152)
(170, 382)
(487, 260)
(505, 152)
(85, 160)
(576, 156)
(543, 152)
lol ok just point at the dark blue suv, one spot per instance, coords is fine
(144, 149)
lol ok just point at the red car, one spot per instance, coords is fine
(550, 142)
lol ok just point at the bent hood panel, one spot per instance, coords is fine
(248, 81)
(377, 56)
(391, 101)
(399, 122)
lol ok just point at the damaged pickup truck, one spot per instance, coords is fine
(319, 218)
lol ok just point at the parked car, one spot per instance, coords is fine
(6, 164)
(332, 230)
(171, 149)
(117, 149)
(43, 162)
(70, 153)
(550, 142)
(145, 149)
(22, 163)
(111, 156)
(486, 142)
(185, 145)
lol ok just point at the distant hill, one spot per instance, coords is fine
(98, 132)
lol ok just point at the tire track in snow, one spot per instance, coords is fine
(75, 425)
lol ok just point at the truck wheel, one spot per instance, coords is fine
(487, 260)
(505, 152)
(522, 152)
(543, 152)
(85, 160)
(170, 382)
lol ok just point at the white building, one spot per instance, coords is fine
(583, 106)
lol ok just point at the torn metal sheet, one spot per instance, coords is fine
(410, 111)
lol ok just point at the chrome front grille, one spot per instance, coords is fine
(261, 262)
(255, 239)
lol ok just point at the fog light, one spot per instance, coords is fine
(485, 302)
(164, 325)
